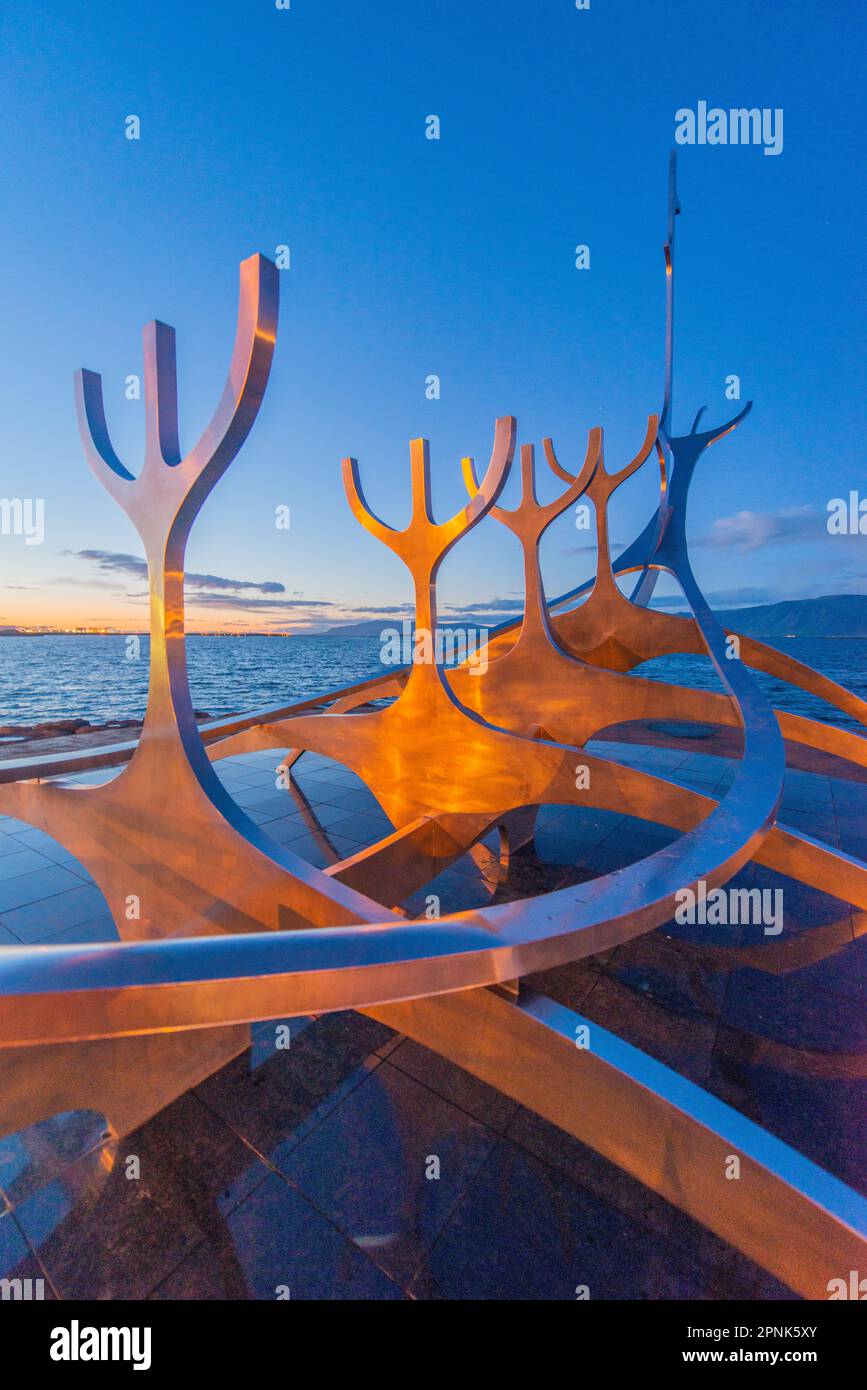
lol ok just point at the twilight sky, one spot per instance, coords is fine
(412, 257)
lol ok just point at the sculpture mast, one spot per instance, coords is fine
(673, 211)
(643, 590)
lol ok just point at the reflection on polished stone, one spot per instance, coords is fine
(402, 1129)
(277, 1245)
(303, 1167)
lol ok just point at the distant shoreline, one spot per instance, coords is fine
(757, 633)
(144, 632)
(828, 617)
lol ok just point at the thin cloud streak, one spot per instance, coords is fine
(121, 563)
(746, 530)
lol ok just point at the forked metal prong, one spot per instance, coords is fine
(95, 438)
(635, 463)
(496, 473)
(255, 338)
(592, 457)
(198, 471)
(720, 430)
(360, 508)
(161, 395)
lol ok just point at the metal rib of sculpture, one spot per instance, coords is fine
(233, 928)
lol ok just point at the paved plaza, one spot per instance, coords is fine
(303, 1171)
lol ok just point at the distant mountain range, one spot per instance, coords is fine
(374, 627)
(834, 615)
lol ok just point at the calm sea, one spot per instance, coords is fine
(86, 677)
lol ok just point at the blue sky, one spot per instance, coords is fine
(412, 257)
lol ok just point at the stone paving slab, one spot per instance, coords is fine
(305, 1167)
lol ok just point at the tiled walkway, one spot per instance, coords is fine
(303, 1169)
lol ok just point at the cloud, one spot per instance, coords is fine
(112, 560)
(216, 581)
(375, 611)
(117, 562)
(586, 546)
(492, 605)
(758, 530)
(63, 581)
(255, 604)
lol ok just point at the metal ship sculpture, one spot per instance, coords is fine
(233, 928)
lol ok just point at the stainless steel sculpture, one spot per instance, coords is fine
(233, 928)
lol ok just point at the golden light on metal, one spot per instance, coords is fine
(232, 928)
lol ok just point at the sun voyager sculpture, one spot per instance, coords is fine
(234, 928)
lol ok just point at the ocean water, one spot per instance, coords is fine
(91, 677)
(843, 661)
